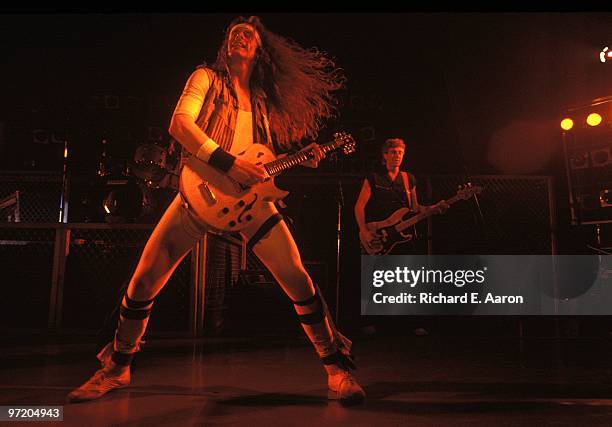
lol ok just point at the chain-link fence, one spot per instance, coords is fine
(76, 289)
(98, 268)
(516, 215)
(39, 195)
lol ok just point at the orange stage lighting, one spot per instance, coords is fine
(567, 124)
(593, 119)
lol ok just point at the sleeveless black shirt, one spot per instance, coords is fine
(386, 196)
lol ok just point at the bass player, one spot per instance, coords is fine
(385, 191)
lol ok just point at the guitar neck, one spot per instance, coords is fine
(280, 165)
(419, 217)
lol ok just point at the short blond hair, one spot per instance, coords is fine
(392, 143)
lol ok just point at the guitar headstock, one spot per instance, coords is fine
(346, 141)
(468, 190)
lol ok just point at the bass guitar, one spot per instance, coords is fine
(396, 228)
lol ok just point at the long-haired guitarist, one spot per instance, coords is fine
(384, 192)
(266, 89)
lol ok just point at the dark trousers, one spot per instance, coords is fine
(401, 324)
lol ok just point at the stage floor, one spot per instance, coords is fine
(410, 380)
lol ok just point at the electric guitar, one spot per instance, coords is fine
(223, 203)
(396, 228)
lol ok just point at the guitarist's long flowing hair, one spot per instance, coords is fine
(297, 84)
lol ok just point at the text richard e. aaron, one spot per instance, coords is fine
(409, 279)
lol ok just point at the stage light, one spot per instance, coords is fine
(567, 124)
(605, 54)
(593, 119)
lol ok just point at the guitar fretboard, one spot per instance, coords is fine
(279, 165)
(419, 217)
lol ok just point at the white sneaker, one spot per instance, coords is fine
(345, 388)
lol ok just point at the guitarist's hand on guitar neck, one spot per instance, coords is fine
(395, 228)
(440, 207)
(317, 155)
(246, 173)
(230, 201)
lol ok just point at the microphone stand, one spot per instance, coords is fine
(479, 218)
(65, 190)
(63, 208)
(340, 205)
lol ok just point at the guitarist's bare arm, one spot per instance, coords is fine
(362, 200)
(184, 129)
(365, 235)
(183, 125)
(440, 207)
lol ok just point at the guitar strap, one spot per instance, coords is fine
(408, 194)
(407, 188)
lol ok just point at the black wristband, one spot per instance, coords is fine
(221, 159)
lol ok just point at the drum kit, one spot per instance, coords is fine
(137, 190)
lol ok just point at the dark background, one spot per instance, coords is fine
(474, 89)
(477, 93)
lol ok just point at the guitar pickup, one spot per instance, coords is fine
(207, 192)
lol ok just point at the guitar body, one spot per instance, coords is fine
(387, 232)
(220, 201)
(396, 228)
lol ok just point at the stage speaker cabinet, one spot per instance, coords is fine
(26, 260)
(587, 147)
(98, 268)
(518, 212)
(589, 174)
